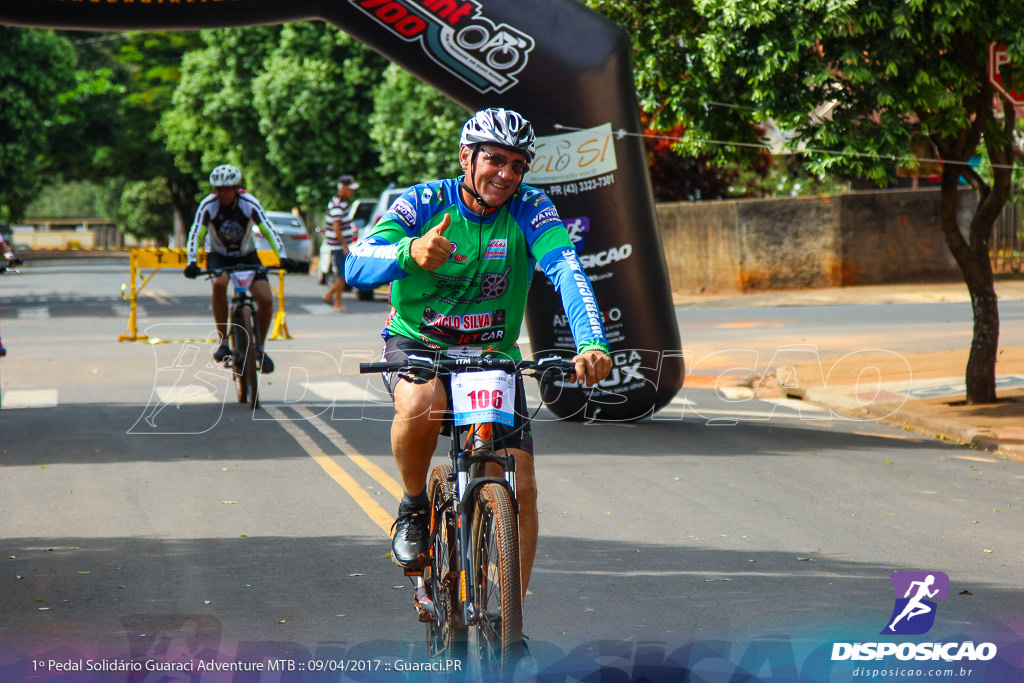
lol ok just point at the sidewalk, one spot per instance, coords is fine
(921, 396)
(922, 392)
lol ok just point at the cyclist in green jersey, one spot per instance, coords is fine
(459, 254)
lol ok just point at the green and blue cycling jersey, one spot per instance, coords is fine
(477, 299)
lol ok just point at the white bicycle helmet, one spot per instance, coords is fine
(502, 127)
(226, 175)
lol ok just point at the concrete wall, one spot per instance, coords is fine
(859, 238)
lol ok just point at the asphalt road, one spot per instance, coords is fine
(147, 517)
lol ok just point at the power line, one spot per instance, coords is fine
(622, 133)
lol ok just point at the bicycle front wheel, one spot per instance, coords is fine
(238, 347)
(248, 379)
(498, 627)
(446, 636)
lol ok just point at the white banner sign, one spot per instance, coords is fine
(573, 156)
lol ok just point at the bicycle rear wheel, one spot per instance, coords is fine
(446, 636)
(498, 629)
(248, 377)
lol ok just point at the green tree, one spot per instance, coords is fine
(288, 105)
(313, 98)
(212, 120)
(855, 82)
(75, 198)
(35, 67)
(107, 135)
(152, 61)
(145, 208)
(416, 129)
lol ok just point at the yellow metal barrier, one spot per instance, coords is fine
(158, 259)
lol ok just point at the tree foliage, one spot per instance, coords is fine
(212, 120)
(288, 105)
(314, 99)
(416, 129)
(145, 208)
(35, 67)
(852, 82)
(107, 125)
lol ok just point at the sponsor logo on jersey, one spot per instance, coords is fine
(497, 250)
(545, 217)
(230, 232)
(404, 211)
(455, 256)
(531, 195)
(456, 35)
(470, 328)
(465, 322)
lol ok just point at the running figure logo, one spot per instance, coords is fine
(914, 611)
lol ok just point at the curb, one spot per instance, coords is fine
(894, 415)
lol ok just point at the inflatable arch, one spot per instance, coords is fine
(566, 68)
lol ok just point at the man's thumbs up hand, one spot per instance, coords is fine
(431, 250)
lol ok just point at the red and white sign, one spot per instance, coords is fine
(997, 59)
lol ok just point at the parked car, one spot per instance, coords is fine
(297, 244)
(365, 216)
(384, 203)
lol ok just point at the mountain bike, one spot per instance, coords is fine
(469, 594)
(243, 334)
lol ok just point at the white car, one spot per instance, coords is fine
(297, 244)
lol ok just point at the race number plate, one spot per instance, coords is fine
(241, 279)
(486, 396)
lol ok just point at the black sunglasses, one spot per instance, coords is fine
(500, 161)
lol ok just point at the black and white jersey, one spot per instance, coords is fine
(228, 229)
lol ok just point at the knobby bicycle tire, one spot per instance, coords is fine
(249, 375)
(446, 636)
(498, 631)
(238, 346)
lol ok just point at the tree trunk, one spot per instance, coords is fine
(975, 264)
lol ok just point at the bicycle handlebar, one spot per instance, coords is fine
(237, 268)
(448, 365)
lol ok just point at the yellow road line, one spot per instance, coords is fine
(364, 463)
(363, 499)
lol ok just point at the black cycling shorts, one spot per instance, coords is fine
(519, 435)
(215, 261)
